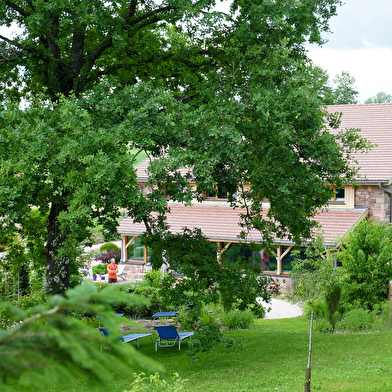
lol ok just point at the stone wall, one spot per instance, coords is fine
(285, 284)
(135, 272)
(376, 199)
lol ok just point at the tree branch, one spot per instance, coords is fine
(18, 9)
(151, 14)
(95, 55)
(76, 58)
(131, 11)
(10, 41)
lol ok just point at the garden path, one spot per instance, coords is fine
(281, 308)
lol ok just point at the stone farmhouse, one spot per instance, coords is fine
(371, 198)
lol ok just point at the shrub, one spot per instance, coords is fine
(108, 246)
(105, 257)
(357, 320)
(204, 339)
(366, 261)
(332, 298)
(100, 269)
(153, 278)
(24, 302)
(29, 301)
(322, 326)
(189, 319)
(238, 319)
(384, 319)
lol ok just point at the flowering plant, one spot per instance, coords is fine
(274, 287)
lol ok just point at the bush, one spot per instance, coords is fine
(204, 339)
(105, 257)
(154, 289)
(323, 326)
(108, 246)
(357, 320)
(100, 269)
(238, 319)
(24, 302)
(153, 278)
(384, 318)
(366, 263)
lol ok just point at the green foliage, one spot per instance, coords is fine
(380, 97)
(384, 316)
(153, 278)
(341, 91)
(366, 260)
(240, 285)
(238, 319)
(357, 320)
(315, 276)
(104, 88)
(153, 289)
(322, 325)
(61, 347)
(206, 281)
(100, 269)
(108, 246)
(332, 299)
(155, 383)
(204, 339)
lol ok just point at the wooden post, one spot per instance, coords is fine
(390, 291)
(123, 249)
(308, 372)
(279, 262)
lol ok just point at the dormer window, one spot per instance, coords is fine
(338, 194)
(220, 193)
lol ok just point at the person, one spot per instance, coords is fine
(112, 271)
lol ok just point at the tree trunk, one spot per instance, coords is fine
(57, 267)
(308, 372)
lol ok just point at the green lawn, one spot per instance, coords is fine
(273, 357)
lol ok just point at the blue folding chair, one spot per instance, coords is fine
(168, 336)
(128, 338)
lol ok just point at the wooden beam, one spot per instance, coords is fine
(130, 241)
(287, 251)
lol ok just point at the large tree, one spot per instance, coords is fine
(380, 97)
(342, 91)
(230, 95)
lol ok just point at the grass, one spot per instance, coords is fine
(273, 357)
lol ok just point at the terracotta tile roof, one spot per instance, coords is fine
(220, 223)
(375, 121)
(141, 170)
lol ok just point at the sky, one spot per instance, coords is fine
(360, 43)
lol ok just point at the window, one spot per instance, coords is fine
(136, 250)
(338, 194)
(244, 252)
(221, 192)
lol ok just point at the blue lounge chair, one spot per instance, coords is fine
(168, 336)
(128, 338)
